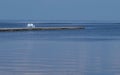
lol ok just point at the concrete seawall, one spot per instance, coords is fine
(40, 28)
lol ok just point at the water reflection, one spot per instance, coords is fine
(66, 58)
(66, 55)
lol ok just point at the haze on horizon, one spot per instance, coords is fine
(60, 9)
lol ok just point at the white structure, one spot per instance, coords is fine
(30, 25)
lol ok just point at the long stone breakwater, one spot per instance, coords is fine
(40, 28)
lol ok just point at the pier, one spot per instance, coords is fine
(40, 28)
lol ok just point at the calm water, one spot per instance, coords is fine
(91, 51)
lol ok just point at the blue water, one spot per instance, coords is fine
(94, 50)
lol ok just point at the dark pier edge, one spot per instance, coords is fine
(40, 28)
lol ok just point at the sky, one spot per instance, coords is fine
(60, 9)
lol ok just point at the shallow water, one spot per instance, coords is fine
(93, 51)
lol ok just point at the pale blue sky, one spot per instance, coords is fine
(60, 9)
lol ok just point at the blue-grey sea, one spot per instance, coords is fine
(94, 50)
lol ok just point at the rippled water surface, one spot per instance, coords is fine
(94, 50)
